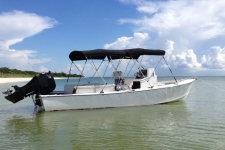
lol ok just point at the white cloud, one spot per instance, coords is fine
(20, 59)
(170, 48)
(15, 26)
(43, 69)
(185, 29)
(138, 40)
(186, 60)
(200, 19)
(215, 58)
(183, 60)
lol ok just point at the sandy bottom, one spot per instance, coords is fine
(10, 80)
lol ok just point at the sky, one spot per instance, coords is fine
(40, 35)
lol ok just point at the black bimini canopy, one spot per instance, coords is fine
(136, 52)
(100, 54)
(96, 54)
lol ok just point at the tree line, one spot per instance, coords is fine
(6, 72)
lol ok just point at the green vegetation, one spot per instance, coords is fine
(6, 73)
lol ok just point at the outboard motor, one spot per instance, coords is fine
(42, 83)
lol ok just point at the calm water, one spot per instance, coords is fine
(198, 122)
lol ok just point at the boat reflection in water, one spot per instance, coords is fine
(128, 128)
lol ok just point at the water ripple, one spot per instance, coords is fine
(195, 123)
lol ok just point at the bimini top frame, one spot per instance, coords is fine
(100, 54)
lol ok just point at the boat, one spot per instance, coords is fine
(143, 89)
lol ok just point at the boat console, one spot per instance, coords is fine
(118, 80)
(145, 78)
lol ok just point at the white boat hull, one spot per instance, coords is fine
(149, 96)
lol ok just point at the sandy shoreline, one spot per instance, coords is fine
(11, 80)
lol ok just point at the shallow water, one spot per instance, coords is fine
(194, 123)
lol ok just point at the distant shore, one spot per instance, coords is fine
(11, 80)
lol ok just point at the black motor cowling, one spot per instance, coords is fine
(42, 83)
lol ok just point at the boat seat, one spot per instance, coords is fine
(68, 89)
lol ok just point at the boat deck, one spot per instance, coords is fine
(97, 88)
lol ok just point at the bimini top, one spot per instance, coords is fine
(136, 52)
(113, 54)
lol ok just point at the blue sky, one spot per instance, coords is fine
(39, 35)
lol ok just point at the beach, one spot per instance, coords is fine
(11, 80)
